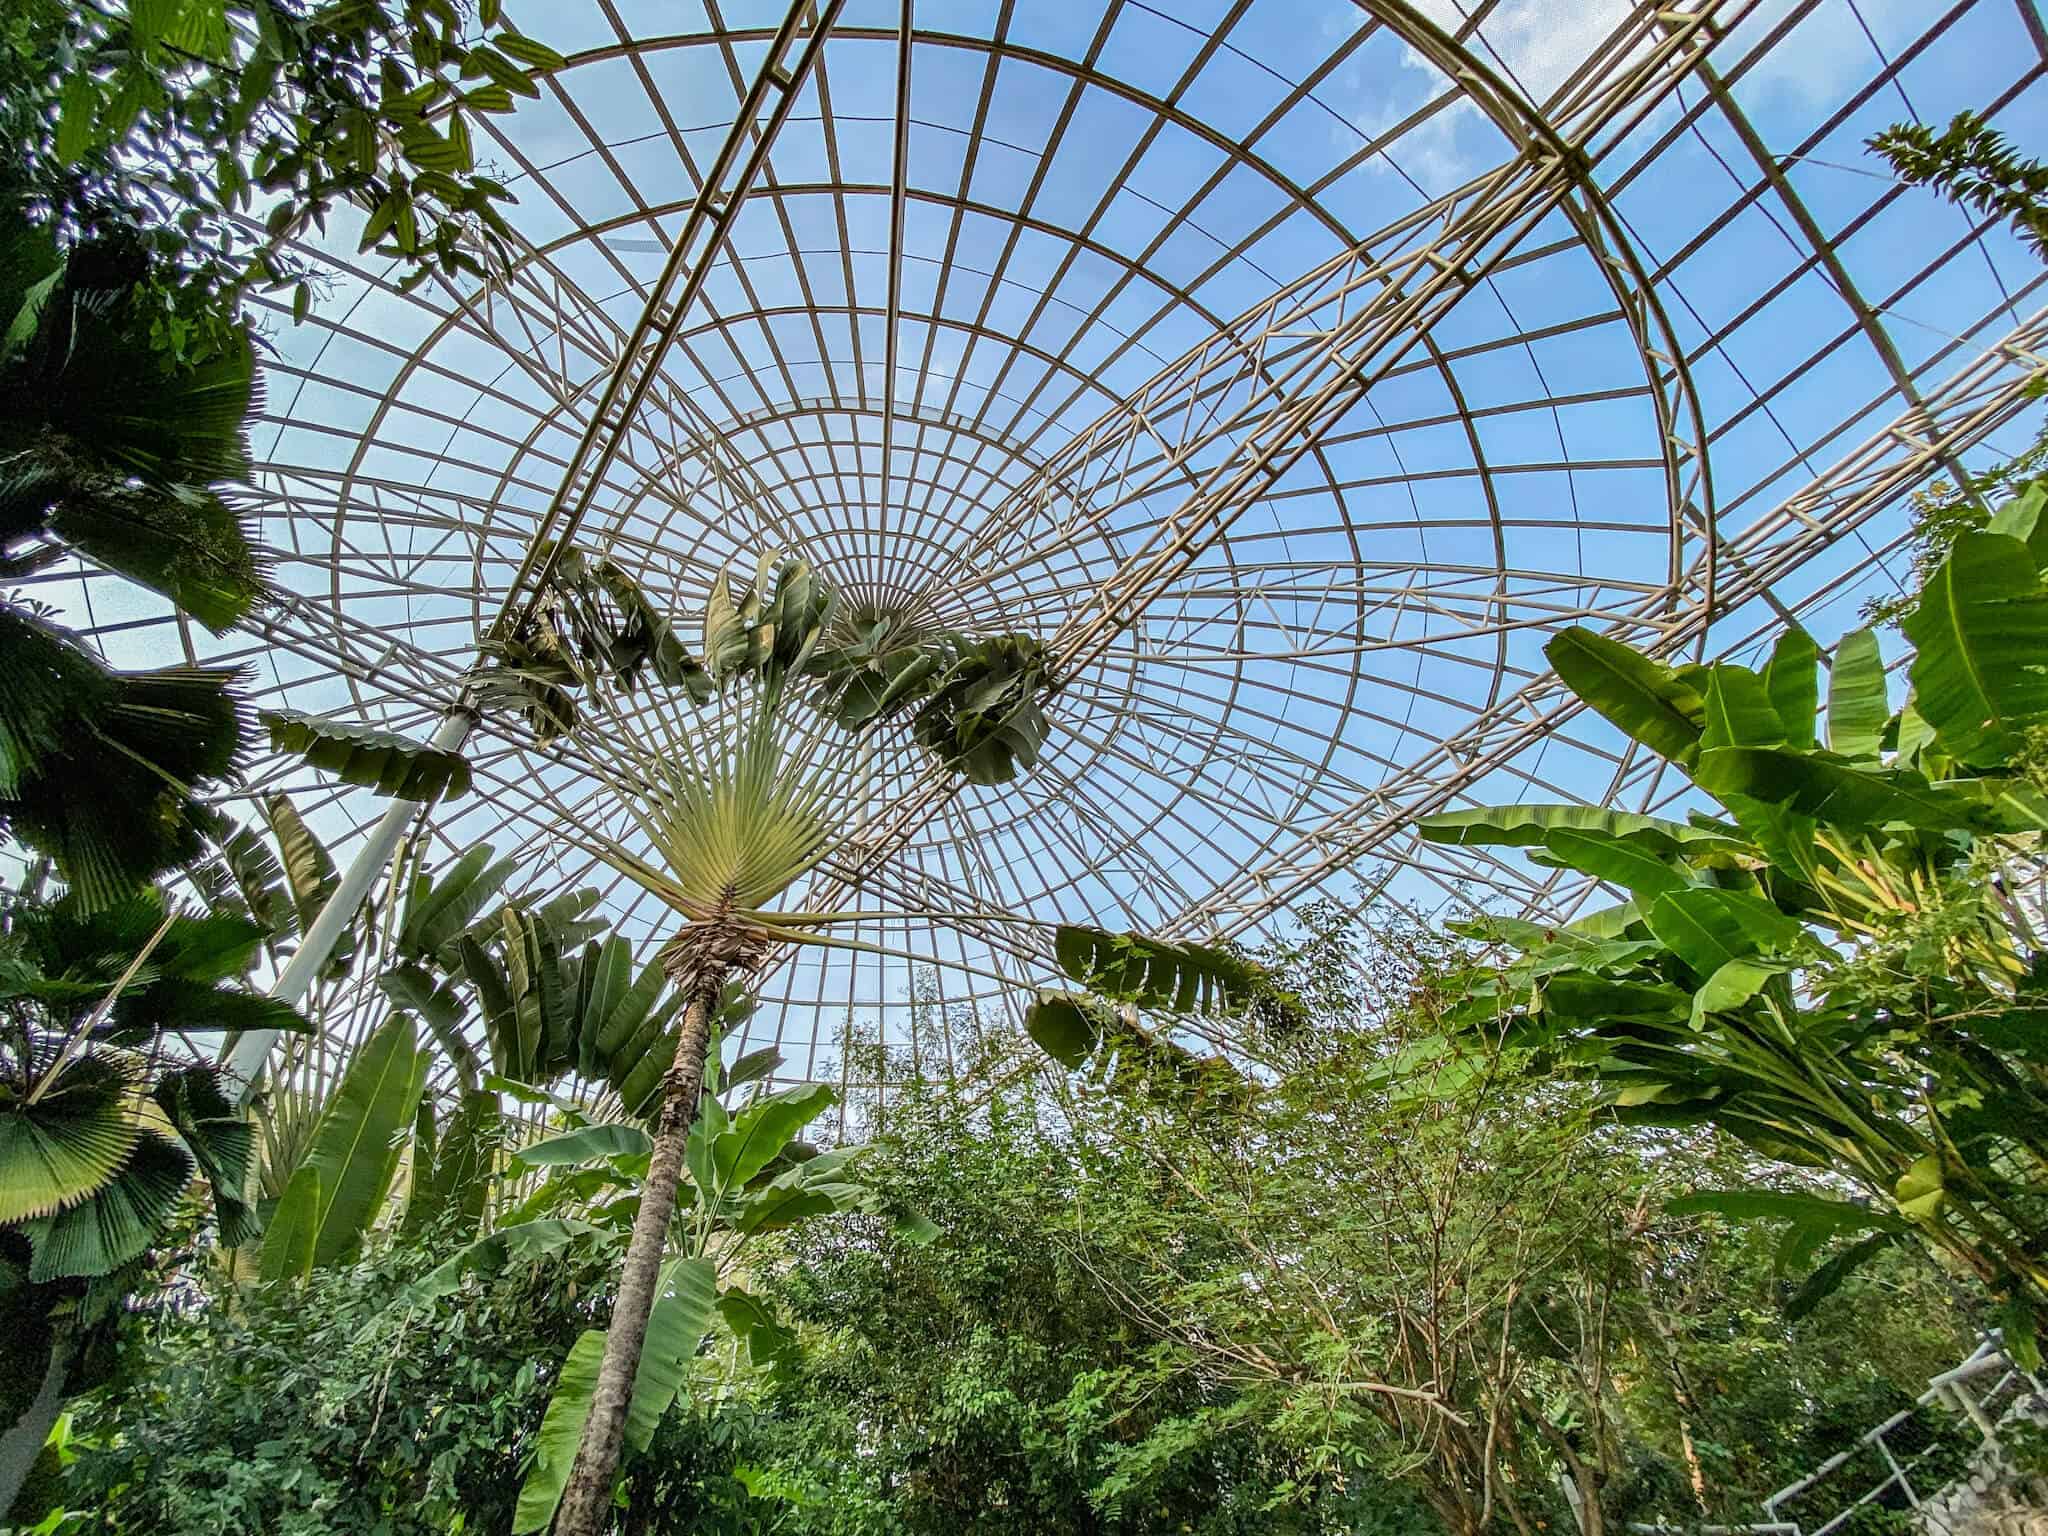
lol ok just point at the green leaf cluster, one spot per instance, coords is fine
(110, 456)
(750, 1174)
(256, 120)
(98, 1139)
(1828, 969)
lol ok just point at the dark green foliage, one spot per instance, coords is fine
(242, 876)
(334, 1407)
(972, 703)
(1136, 1318)
(273, 106)
(992, 1380)
(1971, 163)
(115, 456)
(92, 1185)
(1163, 976)
(104, 764)
(113, 450)
(593, 624)
(380, 760)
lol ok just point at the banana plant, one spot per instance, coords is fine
(1838, 968)
(496, 986)
(749, 1173)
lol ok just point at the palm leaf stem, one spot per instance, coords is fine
(91, 1021)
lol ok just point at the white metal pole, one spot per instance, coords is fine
(244, 1064)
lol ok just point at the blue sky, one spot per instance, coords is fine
(1393, 584)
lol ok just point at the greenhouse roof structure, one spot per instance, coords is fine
(1293, 369)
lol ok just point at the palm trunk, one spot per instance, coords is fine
(22, 1441)
(587, 1496)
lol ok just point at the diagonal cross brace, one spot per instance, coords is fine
(796, 46)
(1257, 399)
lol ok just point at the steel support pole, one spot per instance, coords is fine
(245, 1062)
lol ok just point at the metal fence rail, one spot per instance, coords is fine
(2010, 1393)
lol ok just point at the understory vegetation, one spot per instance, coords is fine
(1101, 1336)
(1629, 1215)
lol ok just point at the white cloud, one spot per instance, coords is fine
(1538, 44)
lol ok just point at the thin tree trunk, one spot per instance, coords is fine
(587, 1496)
(22, 1441)
(1681, 1394)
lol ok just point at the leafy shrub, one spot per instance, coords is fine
(332, 1408)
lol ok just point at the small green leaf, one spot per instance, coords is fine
(1857, 702)
(1921, 1190)
(503, 71)
(533, 54)
(78, 117)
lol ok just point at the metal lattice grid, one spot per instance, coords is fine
(1293, 367)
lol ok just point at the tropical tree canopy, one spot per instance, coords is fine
(1050, 595)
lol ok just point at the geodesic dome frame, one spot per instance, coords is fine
(1292, 369)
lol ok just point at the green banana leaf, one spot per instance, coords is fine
(1980, 675)
(1643, 699)
(381, 761)
(356, 1145)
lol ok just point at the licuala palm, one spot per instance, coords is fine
(101, 1127)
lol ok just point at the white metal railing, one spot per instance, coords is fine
(2011, 1392)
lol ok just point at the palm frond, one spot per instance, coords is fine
(68, 1144)
(109, 794)
(120, 1221)
(737, 801)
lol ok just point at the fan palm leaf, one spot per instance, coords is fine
(735, 805)
(67, 1145)
(107, 450)
(102, 773)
